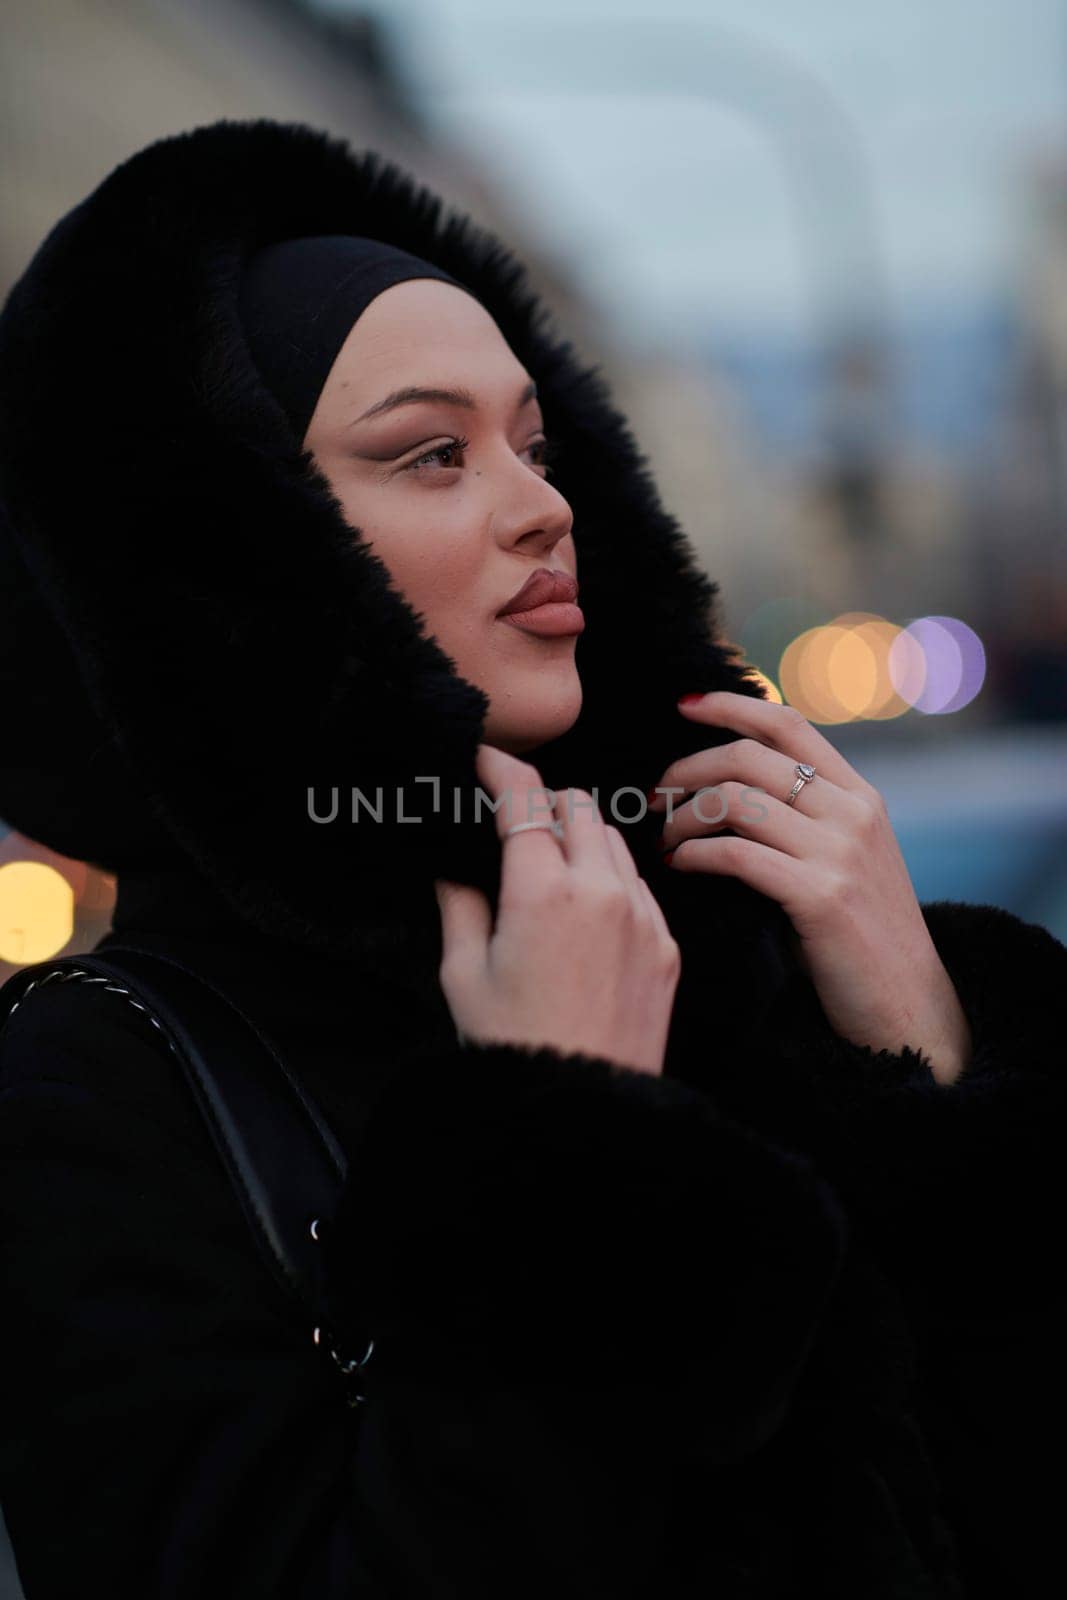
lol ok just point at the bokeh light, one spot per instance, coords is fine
(860, 666)
(955, 664)
(804, 676)
(36, 911)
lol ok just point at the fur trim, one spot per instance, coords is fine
(234, 637)
(959, 1186)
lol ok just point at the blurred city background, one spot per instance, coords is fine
(820, 251)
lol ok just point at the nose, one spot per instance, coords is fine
(533, 515)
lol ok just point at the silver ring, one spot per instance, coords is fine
(520, 827)
(804, 773)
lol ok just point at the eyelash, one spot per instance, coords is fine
(550, 447)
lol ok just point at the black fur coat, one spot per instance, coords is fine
(786, 1320)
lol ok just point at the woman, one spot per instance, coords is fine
(699, 1205)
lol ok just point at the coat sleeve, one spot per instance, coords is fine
(959, 1190)
(958, 1184)
(550, 1251)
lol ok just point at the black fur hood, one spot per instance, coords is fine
(193, 634)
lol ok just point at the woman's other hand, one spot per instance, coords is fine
(581, 958)
(831, 860)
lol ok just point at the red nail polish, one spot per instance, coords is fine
(688, 699)
(667, 858)
(651, 797)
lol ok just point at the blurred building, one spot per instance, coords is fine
(87, 82)
(1020, 514)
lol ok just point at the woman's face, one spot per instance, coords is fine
(460, 527)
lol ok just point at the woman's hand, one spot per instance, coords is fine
(832, 862)
(581, 958)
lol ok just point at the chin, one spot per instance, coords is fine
(535, 720)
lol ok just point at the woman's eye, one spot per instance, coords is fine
(547, 449)
(450, 447)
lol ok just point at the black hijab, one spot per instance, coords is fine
(299, 300)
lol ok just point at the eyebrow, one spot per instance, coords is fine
(452, 397)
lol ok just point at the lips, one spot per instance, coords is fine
(544, 587)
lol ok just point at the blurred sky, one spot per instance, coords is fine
(749, 155)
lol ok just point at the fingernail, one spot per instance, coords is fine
(667, 858)
(651, 796)
(689, 699)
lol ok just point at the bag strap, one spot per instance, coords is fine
(285, 1164)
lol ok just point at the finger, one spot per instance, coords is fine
(466, 920)
(644, 900)
(782, 727)
(520, 796)
(623, 863)
(747, 811)
(779, 877)
(707, 776)
(585, 833)
(523, 798)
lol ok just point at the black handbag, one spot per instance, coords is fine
(285, 1164)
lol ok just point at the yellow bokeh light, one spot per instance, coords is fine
(36, 911)
(885, 703)
(841, 671)
(859, 667)
(804, 675)
(852, 671)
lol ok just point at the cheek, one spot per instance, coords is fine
(440, 571)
